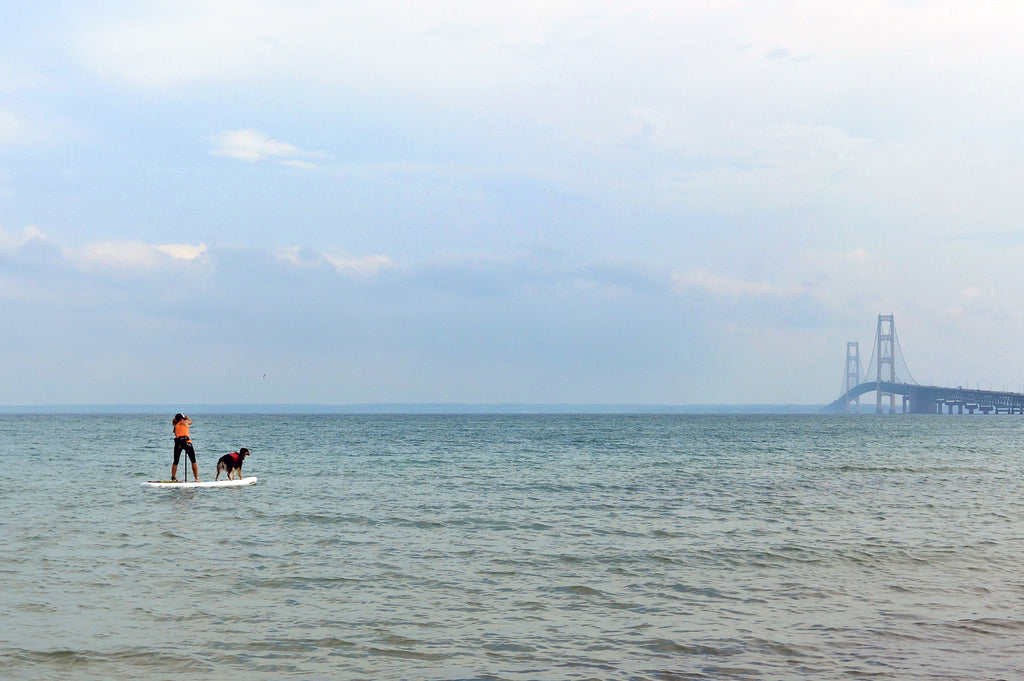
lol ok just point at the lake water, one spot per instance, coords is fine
(604, 547)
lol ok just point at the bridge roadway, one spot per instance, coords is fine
(930, 399)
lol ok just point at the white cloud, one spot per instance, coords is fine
(304, 257)
(254, 146)
(300, 257)
(108, 254)
(298, 164)
(413, 44)
(129, 255)
(367, 266)
(972, 293)
(703, 280)
(13, 241)
(781, 164)
(732, 132)
(845, 265)
(183, 251)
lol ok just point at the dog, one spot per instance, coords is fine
(232, 463)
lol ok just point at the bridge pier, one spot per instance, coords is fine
(923, 400)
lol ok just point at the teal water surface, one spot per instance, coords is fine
(515, 547)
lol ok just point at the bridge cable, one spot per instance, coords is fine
(871, 363)
(899, 351)
(843, 390)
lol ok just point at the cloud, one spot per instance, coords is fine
(30, 243)
(309, 258)
(129, 258)
(28, 247)
(298, 164)
(13, 241)
(362, 267)
(743, 189)
(135, 255)
(703, 280)
(972, 293)
(527, 325)
(395, 43)
(254, 146)
(580, 90)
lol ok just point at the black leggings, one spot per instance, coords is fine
(183, 444)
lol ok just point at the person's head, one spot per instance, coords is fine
(177, 417)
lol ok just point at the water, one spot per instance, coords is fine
(515, 547)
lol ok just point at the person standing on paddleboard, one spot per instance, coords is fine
(183, 443)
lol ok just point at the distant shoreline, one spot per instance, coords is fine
(413, 408)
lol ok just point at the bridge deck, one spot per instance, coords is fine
(929, 399)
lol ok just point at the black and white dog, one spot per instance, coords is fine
(232, 463)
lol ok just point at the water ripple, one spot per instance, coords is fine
(519, 548)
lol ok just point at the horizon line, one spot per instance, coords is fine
(411, 408)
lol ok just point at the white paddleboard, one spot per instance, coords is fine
(204, 483)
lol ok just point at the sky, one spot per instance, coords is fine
(558, 201)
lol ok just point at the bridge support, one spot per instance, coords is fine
(852, 375)
(923, 400)
(885, 352)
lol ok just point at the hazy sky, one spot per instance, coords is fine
(551, 201)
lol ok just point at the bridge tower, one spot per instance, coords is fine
(885, 351)
(852, 379)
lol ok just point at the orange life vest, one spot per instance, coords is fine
(181, 428)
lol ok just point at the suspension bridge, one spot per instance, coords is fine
(887, 376)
